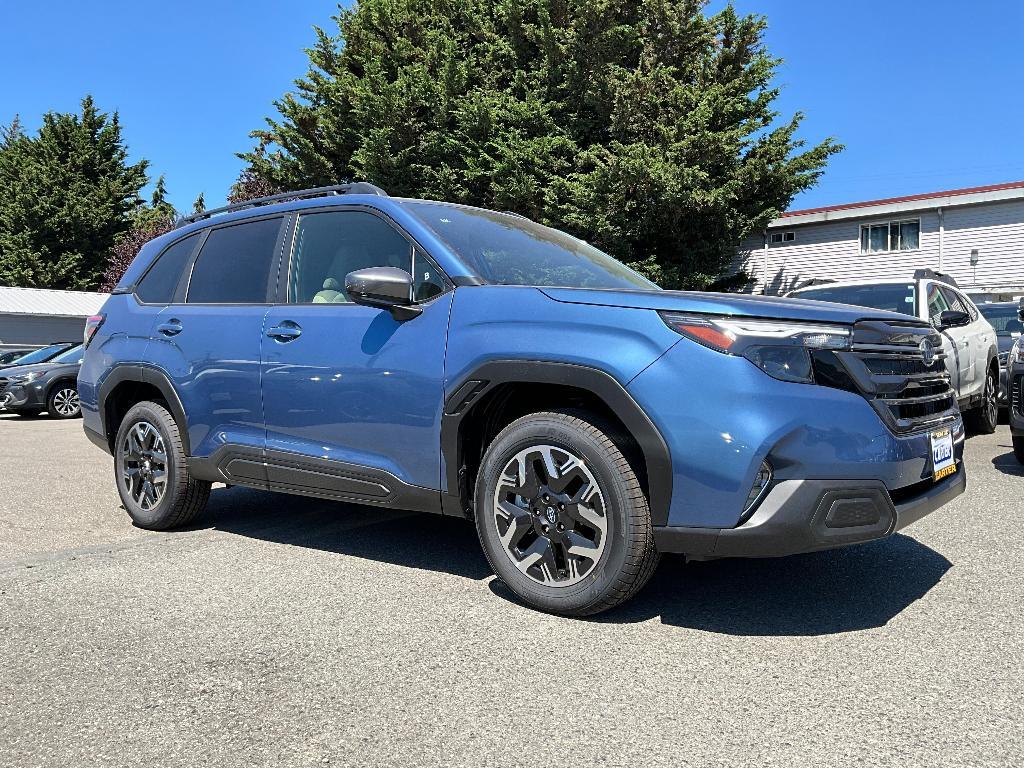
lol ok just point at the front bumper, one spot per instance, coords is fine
(809, 515)
(19, 397)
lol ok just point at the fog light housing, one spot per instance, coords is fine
(759, 488)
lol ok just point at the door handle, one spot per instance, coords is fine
(285, 331)
(170, 328)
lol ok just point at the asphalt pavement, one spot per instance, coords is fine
(285, 631)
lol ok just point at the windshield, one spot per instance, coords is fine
(506, 249)
(894, 297)
(41, 355)
(1003, 318)
(73, 355)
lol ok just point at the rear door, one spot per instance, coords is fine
(208, 340)
(353, 397)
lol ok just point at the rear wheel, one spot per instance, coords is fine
(151, 472)
(561, 515)
(62, 402)
(985, 418)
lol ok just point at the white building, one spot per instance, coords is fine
(975, 234)
(31, 317)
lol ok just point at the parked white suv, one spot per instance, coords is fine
(968, 340)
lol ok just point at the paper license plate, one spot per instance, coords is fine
(943, 461)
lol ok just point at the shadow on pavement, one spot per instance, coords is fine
(409, 539)
(821, 593)
(816, 594)
(1007, 462)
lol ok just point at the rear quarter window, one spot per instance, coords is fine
(161, 280)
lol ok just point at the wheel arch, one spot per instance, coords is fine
(127, 385)
(497, 392)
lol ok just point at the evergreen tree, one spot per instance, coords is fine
(200, 204)
(66, 195)
(643, 126)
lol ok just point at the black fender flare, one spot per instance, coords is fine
(142, 374)
(488, 375)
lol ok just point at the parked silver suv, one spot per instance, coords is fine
(969, 343)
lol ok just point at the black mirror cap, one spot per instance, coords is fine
(385, 287)
(953, 318)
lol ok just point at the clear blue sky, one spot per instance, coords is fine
(925, 94)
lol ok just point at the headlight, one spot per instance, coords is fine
(780, 348)
(1016, 352)
(28, 378)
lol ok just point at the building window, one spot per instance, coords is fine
(779, 237)
(890, 236)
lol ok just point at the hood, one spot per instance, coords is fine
(772, 307)
(21, 370)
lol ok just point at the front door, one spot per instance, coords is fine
(936, 305)
(353, 397)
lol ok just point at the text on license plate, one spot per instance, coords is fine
(943, 461)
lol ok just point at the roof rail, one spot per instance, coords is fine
(355, 188)
(931, 274)
(814, 281)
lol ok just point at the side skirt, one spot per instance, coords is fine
(272, 470)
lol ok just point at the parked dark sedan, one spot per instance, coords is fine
(1003, 317)
(51, 386)
(41, 355)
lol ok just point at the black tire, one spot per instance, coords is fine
(62, 401)
(1018, 448)
(628, 557)
(183, 496)
(985, 418)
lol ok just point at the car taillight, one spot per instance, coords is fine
(91, 326)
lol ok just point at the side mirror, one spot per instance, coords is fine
(1020, 309)
(953, 318)
(389, 288)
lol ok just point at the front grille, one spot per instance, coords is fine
(3, 385)
(1016, 394)
(888, 364)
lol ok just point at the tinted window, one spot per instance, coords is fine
(42, 355)
(159, 283)
(510, 250)
(427, 280)
(894, 297)
(1003, 318)
(234, 265)
(330, 245)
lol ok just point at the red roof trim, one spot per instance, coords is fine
(908, 198)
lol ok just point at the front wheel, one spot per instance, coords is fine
(985, 418)
(561, 515)
(1018, 449)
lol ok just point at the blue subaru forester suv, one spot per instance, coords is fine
(343, 344)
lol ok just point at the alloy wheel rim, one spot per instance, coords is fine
(990, 399)
(550, 515)
(143, 467)
(66, 402)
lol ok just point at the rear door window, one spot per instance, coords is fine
(161, 280)
(235, 264)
